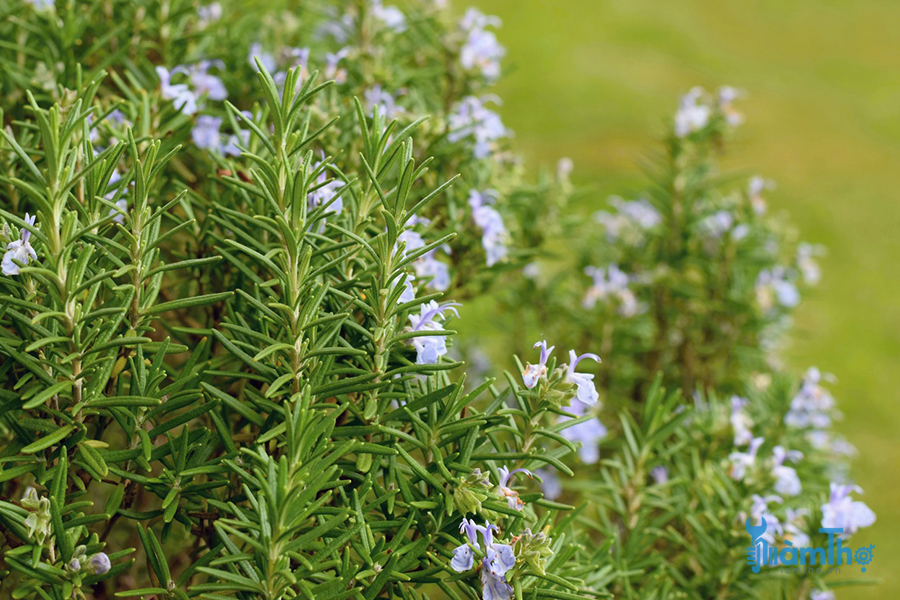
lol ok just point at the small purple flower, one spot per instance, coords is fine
(183, 99)
(470, 117)
(326, 192)
(693, 114)
(427, 266)
(727, 96)
(821, 595)
(807, 264)
(493, 231)
(660, 475)
(787, 482)
(204, 83)
(392, 17)
(742, 461)
(512, 496)
(794, 527)
(740, 422)
(844, 512)
(332, 62)
(588, 434)
(776, 285)
(717, 224)
(430, 348)
(20, 250)
(409, 288)
(760, 510)
(498, 560)
(266, 58)
(533, 373)
(586, 391)
(611, 282)
(463, 557)
(387, 106)
(550, 483)
(813, 405)
(99, 563)
(481, 49)
(209, 14)
(755, 188)
(206, 134)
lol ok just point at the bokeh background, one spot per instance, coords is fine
(594, 80)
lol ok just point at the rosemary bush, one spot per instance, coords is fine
(235, 241)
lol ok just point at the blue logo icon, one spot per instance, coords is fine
(761, 553)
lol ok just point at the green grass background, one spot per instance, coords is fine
(594, 79)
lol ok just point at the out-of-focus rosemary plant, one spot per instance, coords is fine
(234, 243)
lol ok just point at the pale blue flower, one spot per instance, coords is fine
(776, 285)
(392, 17)
(204, 83)
(41, 4)
(717, 224)
(409, 289)
(807, 264)
(326, 192)
(266, 58)
(183, 99)
(436, 273)
(794, 529)
(787, 482)
(498, 560)
(844, 512)
(205, 133)
(759, 511)
(427, 266)
(20, 250)
(481, 49)
(493, 231)
(755, 188)
(740, 422)
(741, 462)
(533, 373)
(512, 496)
(233, 143)
(611, 282)
(387, 106)
(821, 595)
(208, 14)
(463, 556)
(99, 564)
(429, 348)
(551, 486)
(332, 62)
(693, 114)
(813, 405)
(586, 392)
(470, 117)
(588, 434)
(660, 475)
(727, 96)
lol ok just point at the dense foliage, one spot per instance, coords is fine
(234, 243)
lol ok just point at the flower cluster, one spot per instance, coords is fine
(481, 49)
(19, 251)
(493, 232)
(471, 118)
(430, 338)
(498, 559)
(611, 283)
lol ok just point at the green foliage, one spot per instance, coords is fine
(225, 367)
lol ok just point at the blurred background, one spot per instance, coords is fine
(594, 80)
